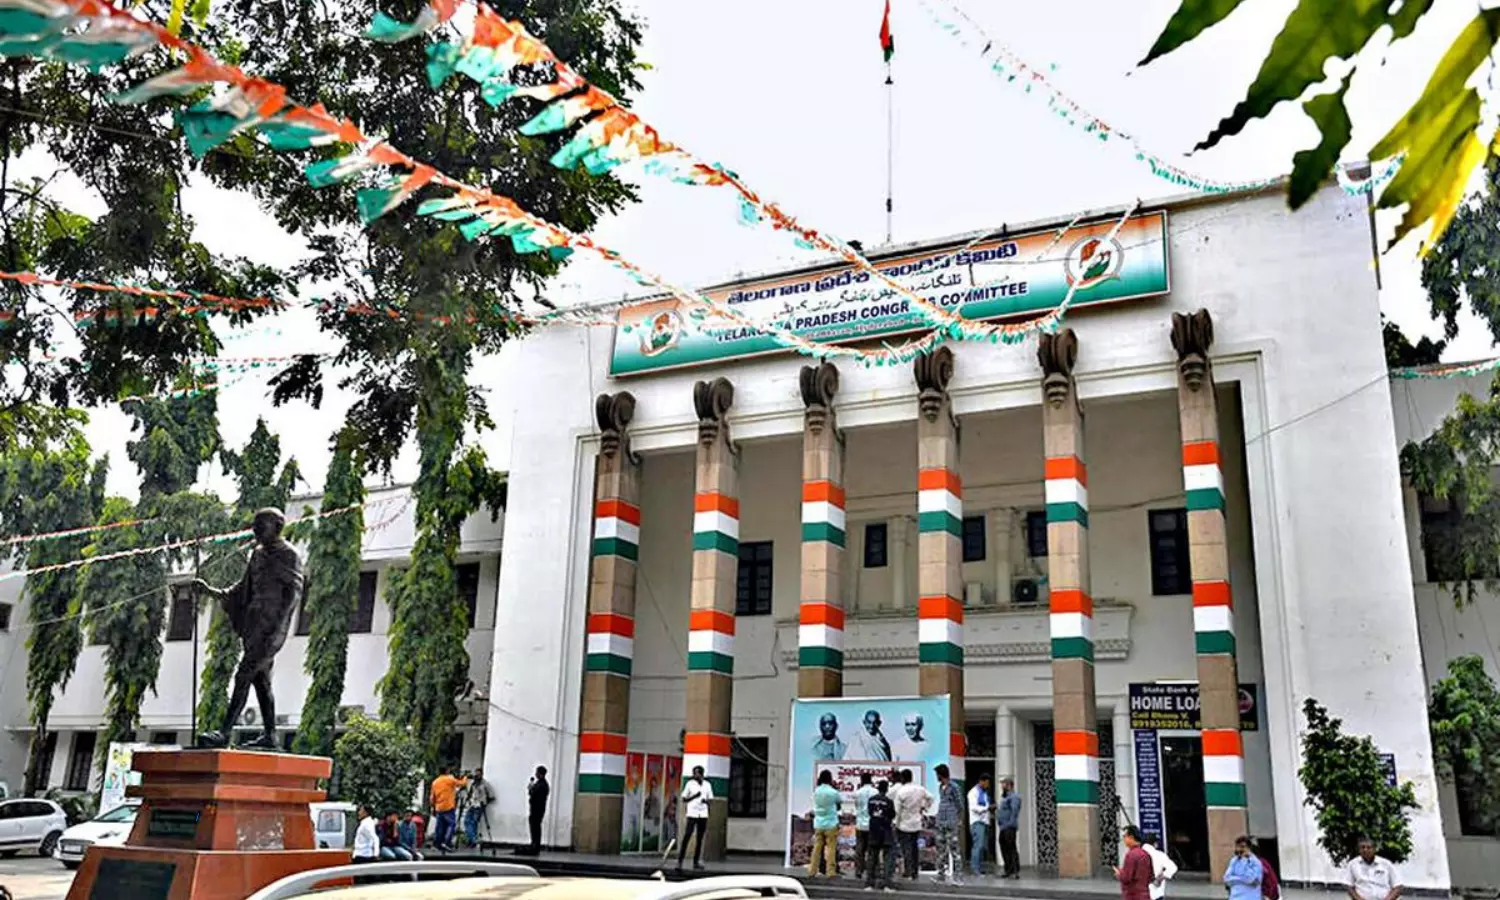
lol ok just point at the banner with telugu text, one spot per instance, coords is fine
(1011, 277)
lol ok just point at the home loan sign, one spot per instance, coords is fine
(1018, 276)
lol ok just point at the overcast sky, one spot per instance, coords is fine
(790, 94)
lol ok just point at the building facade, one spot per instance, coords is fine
(1198, 487)
(78, 715)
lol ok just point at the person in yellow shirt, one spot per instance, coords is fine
(445, 808)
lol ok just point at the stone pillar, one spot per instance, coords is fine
(898, 532)
(820, 632)
(1005, 746)
(716, 540)
(940, 513)
(1125, 764)
(597, 805)
(1213, 605)
(1074, 710)
(1003, 522)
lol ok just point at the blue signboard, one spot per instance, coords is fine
(1148, 782)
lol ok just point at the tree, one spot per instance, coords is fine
(125, 600)
(456, 297)
(260, 485)
(376, 766)
(333, 562)
(1345, 780)
(53, 487)
(1401, 353)
(131, 161)
(1464, 714)
(1438, 136)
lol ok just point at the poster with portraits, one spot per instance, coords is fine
(848, 737)
(652, 804)
(630, 818)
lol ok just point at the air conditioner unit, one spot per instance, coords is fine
(249, 717)
(1025, 592)
(283, 720)
(973, 594)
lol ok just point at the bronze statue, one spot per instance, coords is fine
(260, 608)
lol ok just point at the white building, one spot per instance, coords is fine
(166, 716)
(1323, 599)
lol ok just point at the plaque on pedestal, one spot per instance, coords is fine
(212, 824)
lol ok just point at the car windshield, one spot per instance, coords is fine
(124, 813)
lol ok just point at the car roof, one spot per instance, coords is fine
(526, 888)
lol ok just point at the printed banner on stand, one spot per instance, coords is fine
(651, 806)
(630, 818)
(996, 279)
(670, 782)
(851, 736)
(118, 775)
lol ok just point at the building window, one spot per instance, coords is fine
(44, 760)
(451, 751)
(875, 545)
(184, 607)
(467, 576)
(1448, 555)
(363, 619)
(1036, 533)
(754, 589)
(80, 762)
(973, 538)
(748, 773)
(163, 737)
(1171, 570)
(5, 616)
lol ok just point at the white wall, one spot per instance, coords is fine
(1297, 322)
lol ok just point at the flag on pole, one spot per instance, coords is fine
(887, 43)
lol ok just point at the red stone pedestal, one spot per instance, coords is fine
(217, 824)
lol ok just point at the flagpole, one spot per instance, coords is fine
(890, 149)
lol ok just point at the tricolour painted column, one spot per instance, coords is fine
(820, 632)
(1074, 710)
(940, 512)
(1213, 605)
(716, 542)
(597, 805)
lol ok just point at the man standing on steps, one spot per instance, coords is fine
(537, 793)
(949, 821)
(1007, 822)
(695, 797)
(912, 801)
(445, 808)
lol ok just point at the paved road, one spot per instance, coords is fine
(31, 878)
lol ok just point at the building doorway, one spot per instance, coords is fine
(1183, 803)
(979, 738)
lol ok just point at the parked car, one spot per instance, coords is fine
(333, 824)
(30, 824)
(108, 829)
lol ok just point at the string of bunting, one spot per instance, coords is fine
(235, 535)
(1005, 64)
(611, 135)
(1452, 370)
(48, 28)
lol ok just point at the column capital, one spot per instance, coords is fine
(1057, 354)
(1192, 335)
(818, 384)
(614, 413)
(933, 371)
(711, 400)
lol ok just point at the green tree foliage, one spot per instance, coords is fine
(47, 488)
(1438, 135)
(376, 766)
(1345, 780)
(1401, 353)
(125, 601)
(458, 295)
(131, 160)
(333, 563)
(1461, 268)
(429, 664)
(1454, 464)
(1464, 714)
(255, 470)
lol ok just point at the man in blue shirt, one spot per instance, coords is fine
(1242, 877)
(949, 819)
(825, 816)
(1007, 821)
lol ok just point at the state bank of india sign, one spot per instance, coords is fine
(1005, 278)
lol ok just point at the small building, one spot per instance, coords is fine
(78, 715)
(1192, 491)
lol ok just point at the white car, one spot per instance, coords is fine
(30, 824)
(108, 829)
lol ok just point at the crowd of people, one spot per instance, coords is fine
(458, 805)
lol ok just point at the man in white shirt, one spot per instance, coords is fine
(981, 805)
(695, 796)
(366, 840)
(1372, 877)
(912, 801)
(1162, 867)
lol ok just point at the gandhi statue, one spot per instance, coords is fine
(260, 608)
